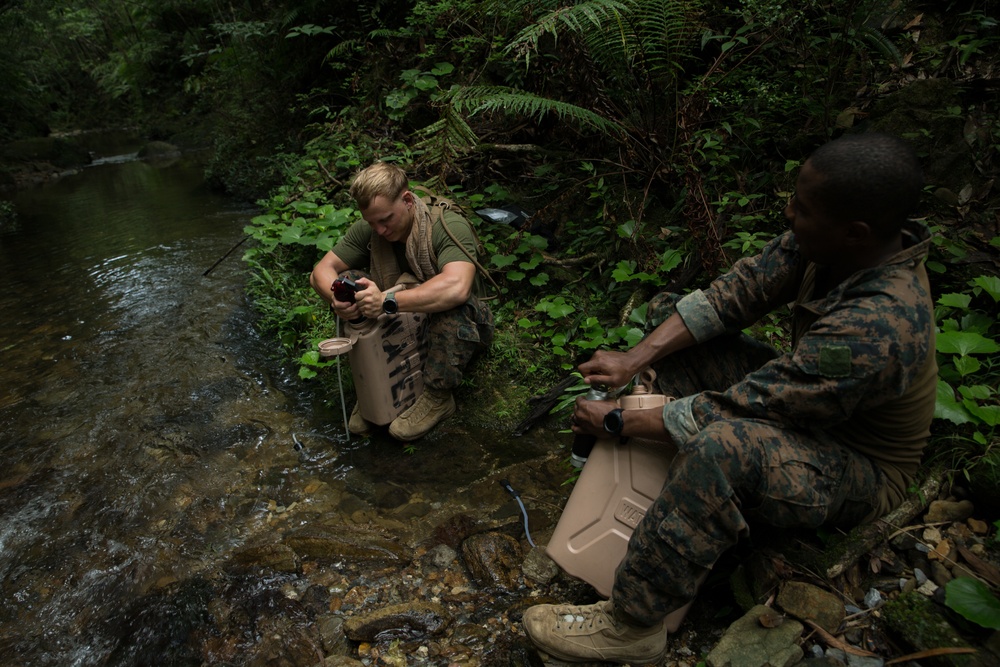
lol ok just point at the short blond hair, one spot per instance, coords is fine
(381, 178)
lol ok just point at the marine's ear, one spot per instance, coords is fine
(858, 232)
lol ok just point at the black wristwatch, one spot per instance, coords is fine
(613, 422)
(389, 305)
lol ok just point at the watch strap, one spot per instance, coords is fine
(614, 422)
(389, 304)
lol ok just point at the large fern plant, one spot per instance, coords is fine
(634, 50)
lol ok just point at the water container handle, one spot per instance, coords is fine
(645, 382)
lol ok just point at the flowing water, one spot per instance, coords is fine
(146, 430)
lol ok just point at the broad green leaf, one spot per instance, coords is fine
(670, 260)
(947, 407)
(515, 275)
(955, 300)
(532, 262)
(425, 82)
(442, 68)
(326, 241)
(539, 242)
(966, 365)
(633, 336)
(638, 315)
(990, 284)
(976, 322)
(589, 344)
(964, 342)
(540, 280)
(291, 235)
(397, 99)
(561, 310)
(304, 206)
(501, 261)
(972, 599)
(623, 271)
(979, 392)
(988, 414)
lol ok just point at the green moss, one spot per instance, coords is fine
(920, 623)
(739, 584)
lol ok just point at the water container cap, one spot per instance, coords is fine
(644, 394)
(334, 347)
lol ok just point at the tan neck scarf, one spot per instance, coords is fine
(385, 270)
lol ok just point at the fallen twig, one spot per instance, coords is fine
(836, 643)
(930, 653)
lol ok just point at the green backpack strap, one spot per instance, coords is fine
(438, 205)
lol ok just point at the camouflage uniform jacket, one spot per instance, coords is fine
(861, 369)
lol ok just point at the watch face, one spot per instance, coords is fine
(613, 422)
(389, 305)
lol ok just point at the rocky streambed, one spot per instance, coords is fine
(403, 578)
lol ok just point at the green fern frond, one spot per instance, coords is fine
(594, 12)
(384, 34)
(447, 139)
(881, 43)
(476, 99)
(665, 30)
(343, 49)
(646, 37)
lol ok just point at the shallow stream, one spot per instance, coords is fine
(147, 432)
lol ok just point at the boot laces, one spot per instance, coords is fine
(586, 619)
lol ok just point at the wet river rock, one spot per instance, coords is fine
(399, 620)
(278, 557)
(348, 543)
(493, 560)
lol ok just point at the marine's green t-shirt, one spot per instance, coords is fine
(354, 247)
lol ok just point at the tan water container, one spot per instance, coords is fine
(387, 359)
(615, 488)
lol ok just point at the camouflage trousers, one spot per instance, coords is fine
(454, 337)
(731, 472)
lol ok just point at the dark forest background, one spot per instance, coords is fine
(651, 143)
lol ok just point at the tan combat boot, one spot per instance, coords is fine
(589, 633)
(430, 408)
(357, 424)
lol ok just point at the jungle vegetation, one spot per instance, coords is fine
(655, 142)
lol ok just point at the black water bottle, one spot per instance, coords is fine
(582, 443)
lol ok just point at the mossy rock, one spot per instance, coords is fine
(921, 624)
